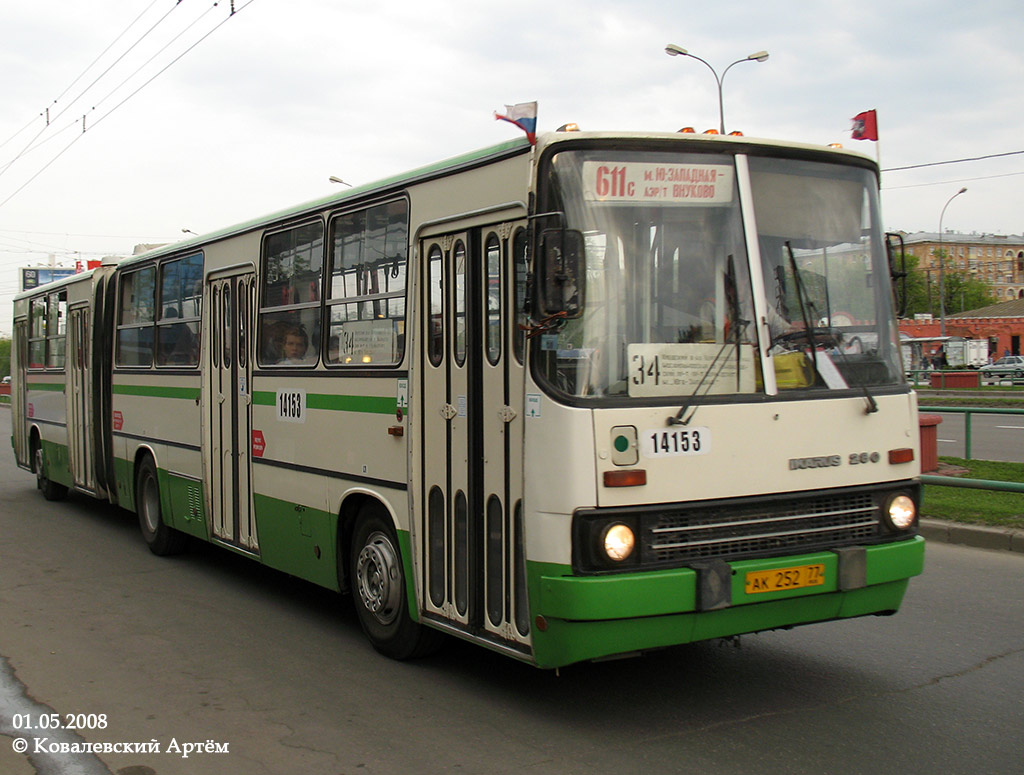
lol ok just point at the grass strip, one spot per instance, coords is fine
(979, 507)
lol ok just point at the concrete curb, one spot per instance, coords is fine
(981, 537)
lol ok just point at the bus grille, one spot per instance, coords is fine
(729, 531)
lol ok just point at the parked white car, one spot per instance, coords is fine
(1008, 366)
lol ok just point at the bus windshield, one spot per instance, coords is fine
(669, 308)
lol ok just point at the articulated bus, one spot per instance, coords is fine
(583, 398)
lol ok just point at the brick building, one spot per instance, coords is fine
(995, 259)
(1001, 324)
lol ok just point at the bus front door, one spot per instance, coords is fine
(472, 382)
(229, 401)
(80, 399)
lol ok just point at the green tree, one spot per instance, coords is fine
(916, 288)
(963, 292)
(5, 357)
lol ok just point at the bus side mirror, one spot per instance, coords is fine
(561, 274)
(894, 247)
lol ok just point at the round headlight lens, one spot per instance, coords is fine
(618, 542)
(902, 512)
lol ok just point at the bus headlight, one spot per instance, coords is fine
(618, 541)
(900, 512)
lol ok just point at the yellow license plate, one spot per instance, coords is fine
(784, 578)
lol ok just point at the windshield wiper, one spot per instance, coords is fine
(736, 328)
(834, 335)
(801, 297)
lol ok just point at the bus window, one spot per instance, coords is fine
(136, 317)
(289, 321)
(366, 304)
(56, 329)
(520, 270)
(435, 347)
(37, 334)
(177, 333)
(460, 302)
(493, 300)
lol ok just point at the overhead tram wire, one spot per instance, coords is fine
(79, 76)
(112, 91)
(53, 136)
(112, 44)
(30, 123)
(50, 120)
(958, 180)
(953, 161)
(160, 72)
(141, 67)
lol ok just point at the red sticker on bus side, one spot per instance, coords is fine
(118, 421)
(259, 444)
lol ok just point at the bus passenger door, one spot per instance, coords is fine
(79, 399)
(472, 408)
(19, 393)
(229, 401)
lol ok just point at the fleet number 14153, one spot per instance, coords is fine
(671, 442)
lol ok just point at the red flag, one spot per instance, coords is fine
(865, 126)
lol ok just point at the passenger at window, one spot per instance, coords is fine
(294, 345)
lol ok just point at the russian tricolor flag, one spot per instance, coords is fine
(524, 116)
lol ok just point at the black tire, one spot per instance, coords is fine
(51, 490)
(162, 539)
(378, 589)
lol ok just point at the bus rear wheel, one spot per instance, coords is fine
(379, 591)
(51, 490)
(162, 539)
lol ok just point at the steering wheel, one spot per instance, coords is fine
(825, 335)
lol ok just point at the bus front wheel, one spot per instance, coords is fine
(162, 539)
(379, 590)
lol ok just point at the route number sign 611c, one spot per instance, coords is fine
(675, 184)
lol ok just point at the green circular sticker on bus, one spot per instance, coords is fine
(621, 443)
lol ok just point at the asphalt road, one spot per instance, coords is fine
(993, 436)
(211, 647)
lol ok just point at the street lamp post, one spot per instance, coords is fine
(758, 56)
(942, 265)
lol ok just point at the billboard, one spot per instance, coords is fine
(34, 276)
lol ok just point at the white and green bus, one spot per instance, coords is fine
(594, 396)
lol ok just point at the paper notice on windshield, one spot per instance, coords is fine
(680, 369)
(642, 183)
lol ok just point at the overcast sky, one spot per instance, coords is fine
(286, 93)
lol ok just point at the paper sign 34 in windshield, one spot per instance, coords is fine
(677, 184)
(689, 369)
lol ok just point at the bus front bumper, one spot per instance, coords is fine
(579, 618)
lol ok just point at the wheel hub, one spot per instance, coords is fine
(379, 578)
